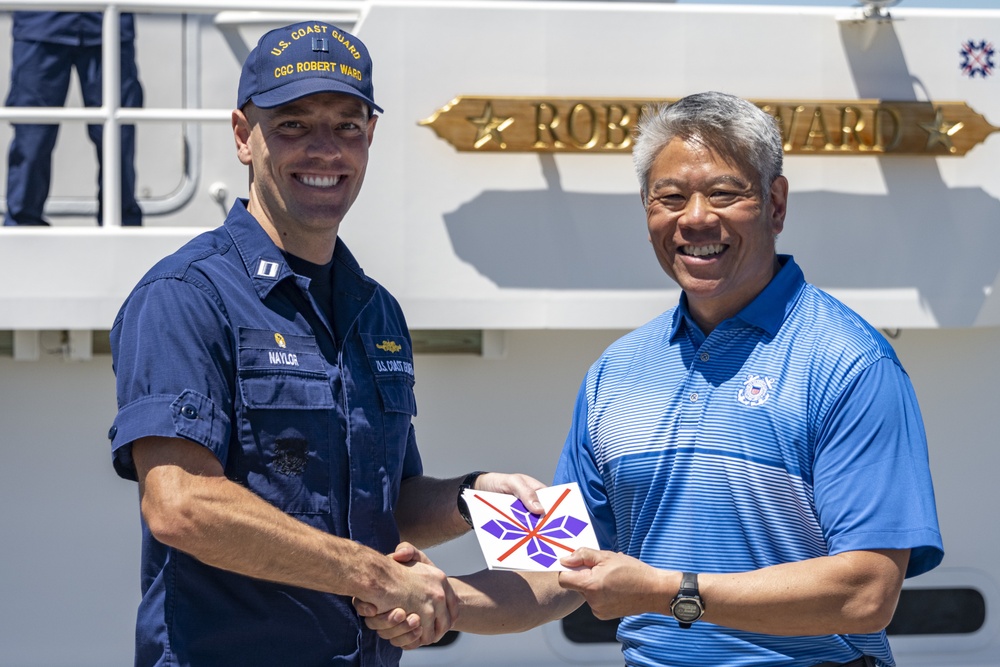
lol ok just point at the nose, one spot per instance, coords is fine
(323, 143)
(697, 211)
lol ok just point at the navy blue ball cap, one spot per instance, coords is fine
(304, 59)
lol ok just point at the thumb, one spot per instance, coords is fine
(582, 557)
(405, 552)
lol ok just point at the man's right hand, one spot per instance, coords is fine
(431, 617)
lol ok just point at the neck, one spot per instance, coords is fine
(314, 246)
(709, 312)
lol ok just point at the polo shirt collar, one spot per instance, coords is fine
(768, 309)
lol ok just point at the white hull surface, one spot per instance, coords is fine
(540, 257)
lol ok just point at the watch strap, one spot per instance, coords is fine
(468, 482)
(689, 585)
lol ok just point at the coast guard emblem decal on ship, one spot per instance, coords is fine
(977, 58)
(756, 390)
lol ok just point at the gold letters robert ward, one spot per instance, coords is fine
(605, 125)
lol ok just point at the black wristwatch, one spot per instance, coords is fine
(687, 607)
(467, 483)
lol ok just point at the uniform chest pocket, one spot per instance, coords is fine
(390, 358)
(286, 421)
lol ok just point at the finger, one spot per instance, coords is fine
(386, 620)
(445, 610)
(573, 581)
(521, 486)
(443, 621)
(408, 554)
(583, 557)
(403, 632)
(364, 609)
(408, 640)
(404, 553)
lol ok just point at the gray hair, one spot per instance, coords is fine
(729, 126)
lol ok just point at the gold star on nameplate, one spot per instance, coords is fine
(489, 127)
(941, 131)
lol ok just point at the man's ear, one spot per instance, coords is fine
(371, 129)
(241, 134)
(779, 203)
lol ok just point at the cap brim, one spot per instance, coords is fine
(298, 89)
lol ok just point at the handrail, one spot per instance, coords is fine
(228, 14)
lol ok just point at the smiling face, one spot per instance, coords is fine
(711, 229)
(307, 162)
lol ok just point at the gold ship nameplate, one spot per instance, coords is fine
(606, 125)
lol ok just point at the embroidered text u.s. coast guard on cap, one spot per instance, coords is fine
(304, 59)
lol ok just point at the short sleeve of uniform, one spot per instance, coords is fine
(412, 464)
(174, 369)
(871, 474)
(578, 464)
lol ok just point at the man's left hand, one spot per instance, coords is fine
(614, 584)
(519, 485)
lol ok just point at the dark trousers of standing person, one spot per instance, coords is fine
(40, 74)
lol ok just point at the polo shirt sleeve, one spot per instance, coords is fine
(871, 474)
(577, 463)
(171, 349)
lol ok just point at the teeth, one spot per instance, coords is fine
(319, 181)
(703, 250)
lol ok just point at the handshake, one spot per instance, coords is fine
(428, 605)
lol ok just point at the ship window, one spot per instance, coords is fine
(938, 611)
(921, 611)
(582, 627)
(448, 638)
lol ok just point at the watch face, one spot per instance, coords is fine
(687, 610)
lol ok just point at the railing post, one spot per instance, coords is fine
(110, 104)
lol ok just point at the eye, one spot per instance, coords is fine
(671, 200)
(723, 197)
(351, 128)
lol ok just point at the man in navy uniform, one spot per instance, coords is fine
(47, 47)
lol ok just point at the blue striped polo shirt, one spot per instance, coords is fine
(790, 432)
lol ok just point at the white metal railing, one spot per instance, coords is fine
(228, 15)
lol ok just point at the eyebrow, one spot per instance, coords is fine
(297, 109)
(734, 181)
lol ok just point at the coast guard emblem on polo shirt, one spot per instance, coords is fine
(756, 390)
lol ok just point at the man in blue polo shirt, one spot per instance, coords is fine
(753, 459)
(265, 394)
(47, 47)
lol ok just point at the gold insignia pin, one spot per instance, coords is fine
(389, 346)
(279, 339)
